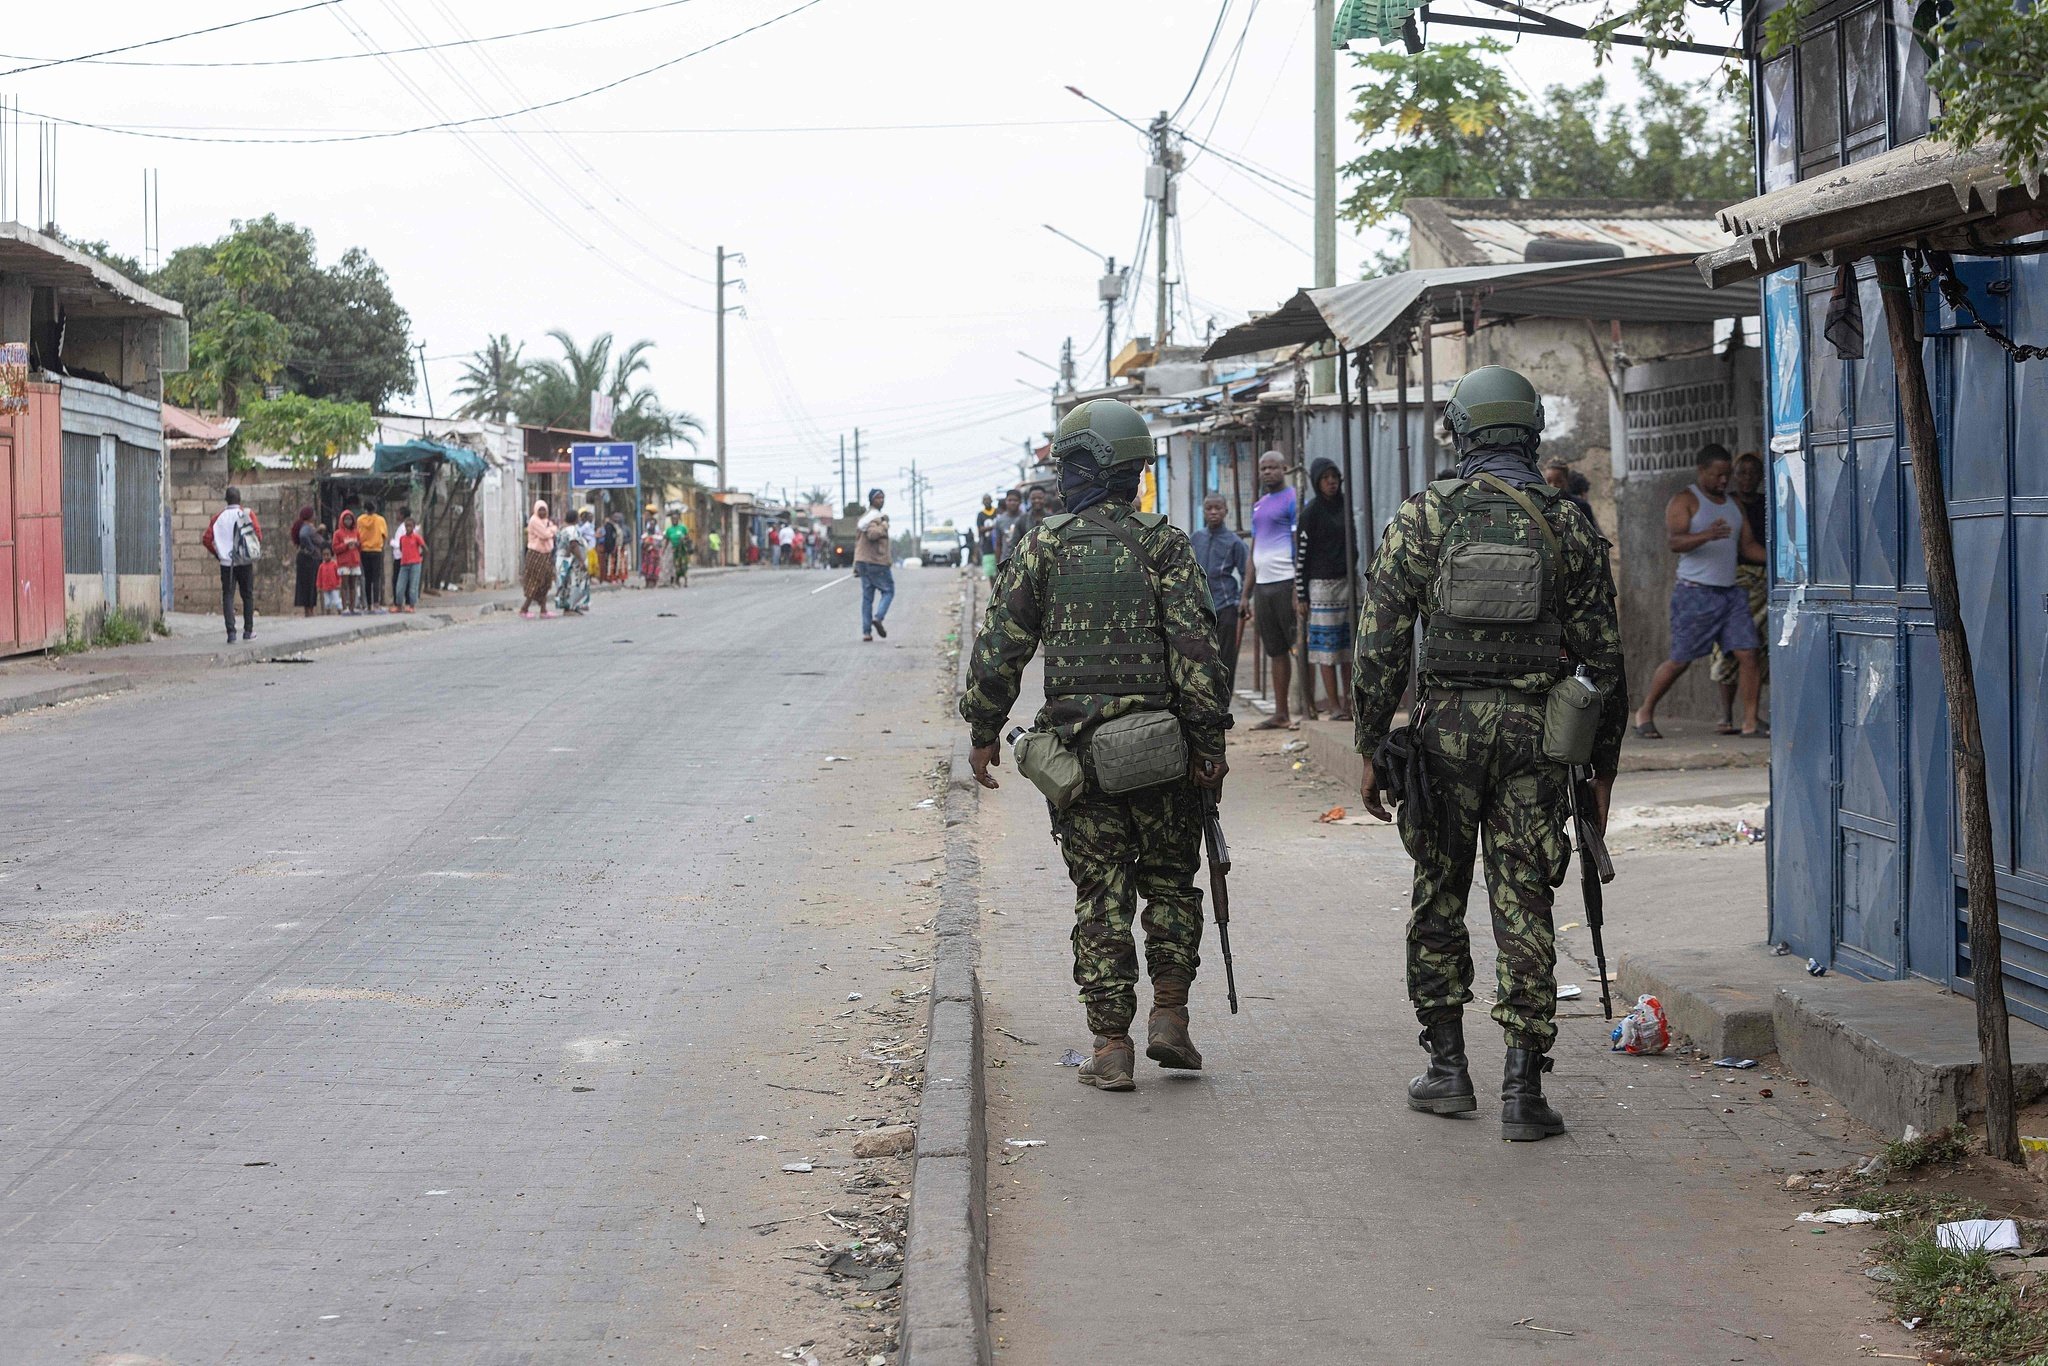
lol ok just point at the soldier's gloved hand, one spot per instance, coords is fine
(1209, 772)
(984, 758)
(1369, 795)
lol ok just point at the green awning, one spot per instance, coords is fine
(396, 459)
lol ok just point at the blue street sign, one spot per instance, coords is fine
(604, 465)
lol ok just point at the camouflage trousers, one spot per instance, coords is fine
(1492, 786)
(1144, 844)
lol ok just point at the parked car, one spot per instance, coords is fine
(941, 545)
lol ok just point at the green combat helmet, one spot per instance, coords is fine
(1110, 431)
(1491, 396)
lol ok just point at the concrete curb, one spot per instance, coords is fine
(65, 692)
(945, 1266)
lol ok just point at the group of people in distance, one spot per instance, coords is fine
(341, 568)
(562, 558)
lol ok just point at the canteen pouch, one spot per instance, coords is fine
(1050, 766)
(1571, 718)
(1491, 585)
(1142, 749)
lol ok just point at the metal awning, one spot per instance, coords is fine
(1658, 289)
(395, 458)
(1927, 192)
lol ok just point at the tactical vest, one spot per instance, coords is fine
(1103, 634)
(1494, 607)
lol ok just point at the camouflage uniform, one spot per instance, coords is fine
(1140, 844)
(1492, 783)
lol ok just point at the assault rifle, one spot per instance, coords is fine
(1219, 887)
(1596, 868)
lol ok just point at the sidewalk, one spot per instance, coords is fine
(1284, 1205)
(197, 643)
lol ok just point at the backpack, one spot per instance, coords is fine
(248, 546)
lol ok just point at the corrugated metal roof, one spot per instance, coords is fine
(1928, 191)
(1637, 289)
(1505, 240)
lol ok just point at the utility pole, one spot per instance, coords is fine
(1323, 376)
(856, 468)
(718, 408)
(1159, 189)
(1067, 364)
(425, 384)
(842, 474)
(1111, 289)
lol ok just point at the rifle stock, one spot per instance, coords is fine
(1219, 888)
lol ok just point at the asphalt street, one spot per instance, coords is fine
(424, 1001)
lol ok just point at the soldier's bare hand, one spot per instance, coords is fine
(984, 758)
(1209, 773)
(1369, 795)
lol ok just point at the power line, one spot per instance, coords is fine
(445, 123)
(618, 131)
(1222, 11)
(337, 56)
(156, 42)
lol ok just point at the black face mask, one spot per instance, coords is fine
(1083, 483)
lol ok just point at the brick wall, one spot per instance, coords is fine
(275, 496)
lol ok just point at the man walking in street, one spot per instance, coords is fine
(1747, 489)
(1272, 580)
(236, 541)
(1707, 531)
(1225, 560)
(1133, 682)
(871, 565)
(1512, 588)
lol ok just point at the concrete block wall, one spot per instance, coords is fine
(275, 496)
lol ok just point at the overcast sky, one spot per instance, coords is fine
(884, 165)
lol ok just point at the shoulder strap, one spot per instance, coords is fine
(1444, 488)
(1058, 520)
(1527, 505)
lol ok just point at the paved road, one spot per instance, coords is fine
(401, 1006)
(1285, 1206)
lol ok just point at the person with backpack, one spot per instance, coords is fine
(1520, 674)
(235, 539)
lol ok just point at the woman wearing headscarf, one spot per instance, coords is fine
(311, 543)
(539, 574)
(1322, 588)
(650, 554)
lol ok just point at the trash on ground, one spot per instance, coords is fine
(1798, 1181)
(798, 1167)
(1568, 925)
(1644, 1029)
(1781, 950)
(1536, 1327)
(853, 996)
(757, 1138)
(1745, 833)
(1910, 1324)
(750, 820)
(1332, 816)
(1569, 992)
(1073, 1057)
(1024, 1142)
(1297, 766)
(1911, 1134)
(1292, 745)
(2034, 1145)
(1815, 968)
(1978, 1235)
(927, 804)
(887, 1141)
(1845, 1216)
(1881, 1273)
(1739, 1064)
(837, 759)
(698, 1210)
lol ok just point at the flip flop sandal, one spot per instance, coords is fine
(1647, 730)
(1273, 723)
(1762, 732)
(1725, 729)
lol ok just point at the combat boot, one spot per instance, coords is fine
(1166, 1032)
(1525, 1116)
(1110, 1068)
(1446, 1088)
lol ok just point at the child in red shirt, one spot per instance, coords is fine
(328, 581)
(412, 554)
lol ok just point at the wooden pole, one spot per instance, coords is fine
(1966, 738)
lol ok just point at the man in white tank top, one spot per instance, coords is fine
(1706, 530)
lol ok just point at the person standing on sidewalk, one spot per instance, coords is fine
(1271, 586)
(1512, 587)
(1120, 606)
(871, 565)
(237, 542)
(1322, 588)
(1707, 531)
(1225, 560)
(373, 531)
(412, 559)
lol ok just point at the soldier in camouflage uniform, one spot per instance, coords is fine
(1511, 584)
(1121, 609)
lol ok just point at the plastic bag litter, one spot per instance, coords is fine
(1073, 1057)
(1568, 992)
(1978, 1235)
(1739, 1064)
(1842, 1216)
(1644, 1029)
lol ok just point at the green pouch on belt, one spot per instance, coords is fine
(1142, 749)
(1050, 766)
(1571, 718)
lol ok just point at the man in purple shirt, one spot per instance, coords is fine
(1271, 582)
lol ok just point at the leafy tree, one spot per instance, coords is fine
(492, 379)
(347, 333)
(308, 431)
(236, 345)
(557, 393)
(104, 253)
(1448, 122)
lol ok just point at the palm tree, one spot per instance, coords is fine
(492, 380)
